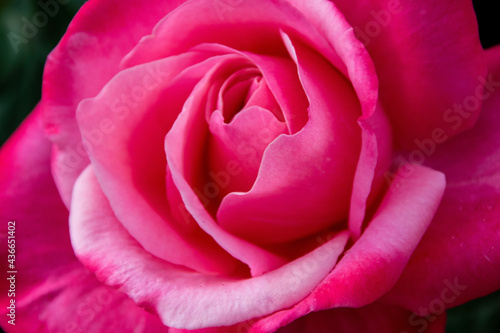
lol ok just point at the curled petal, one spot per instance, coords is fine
(372, 266)
(357, 65)
(291, 200)
(184, 145)
(183, 298)
(124, 129)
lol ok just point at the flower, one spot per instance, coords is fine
(234, 166)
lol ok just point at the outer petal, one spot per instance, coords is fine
(374, 318)
(372, 266)
(428, 57)
(54, 292)
(86, 58)
(242, 25)
(459, 257)
(183, 298)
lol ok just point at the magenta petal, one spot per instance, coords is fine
(26, 182)
(183, 298)
(372, 266)
(87, 57)
(459, 257)
(54, 292)
(428, 58)
(374, 318)
(374, 162)
(81, 303)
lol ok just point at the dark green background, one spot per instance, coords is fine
(20, 87)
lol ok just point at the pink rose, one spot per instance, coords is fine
(241, 166)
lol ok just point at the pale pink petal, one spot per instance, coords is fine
(124, 129)
(184, 298)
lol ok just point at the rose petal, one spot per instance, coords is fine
(428, 57)
(49, 278)
(25, 179)
(184, 146)
(305, 179)
(235, 150)
(280, 74)
(374, 318)
(235, 91)
(459, 257)
(375, 132)
(183, 298)
(372, 266)
(374, 162)
(239, 24)
(86, 58)
(124, 129)
(262, 96)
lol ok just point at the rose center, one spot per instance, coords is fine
(243, 118)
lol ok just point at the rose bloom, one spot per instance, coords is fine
(255, 166)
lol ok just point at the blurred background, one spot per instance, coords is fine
(20, 90)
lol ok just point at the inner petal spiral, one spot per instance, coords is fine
(243, 118)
